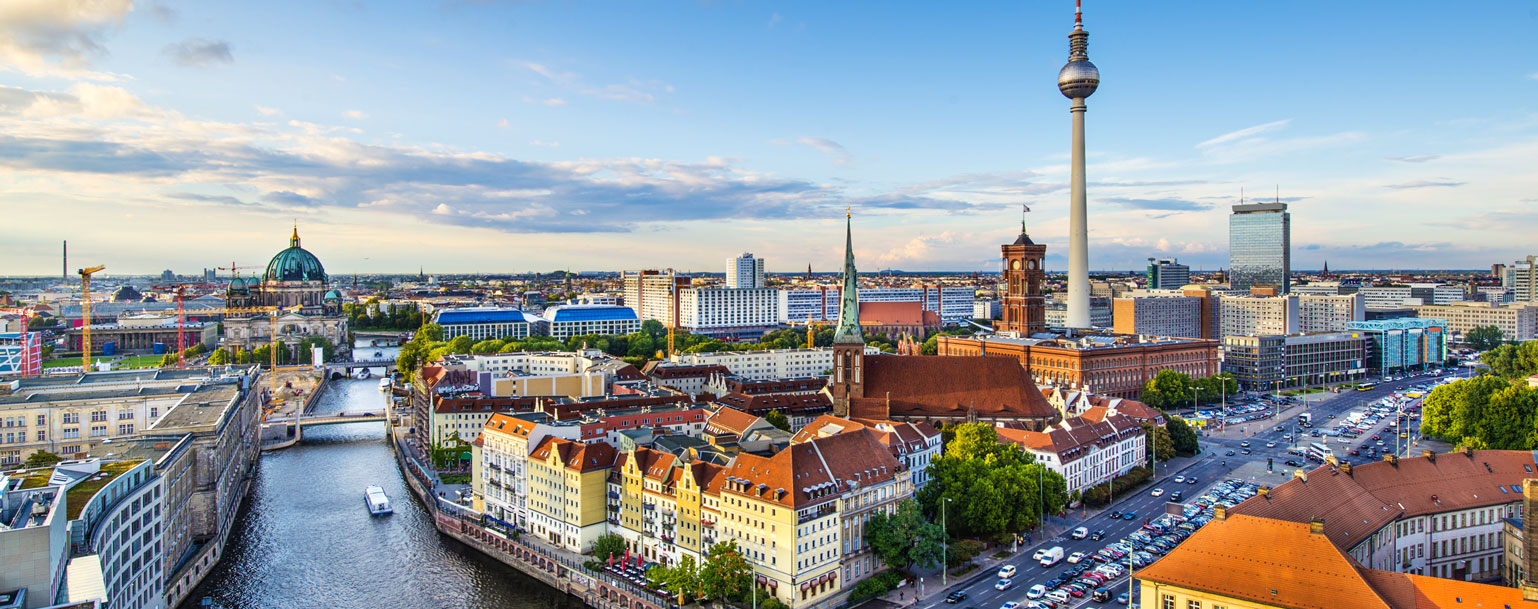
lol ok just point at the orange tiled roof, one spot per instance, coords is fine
(812, 472)
(1407, 591)
(1271, 562)
(730, 420)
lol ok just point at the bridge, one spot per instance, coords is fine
(387, 364)
(331, 418)
(384, 339)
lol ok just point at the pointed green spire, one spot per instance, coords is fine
(849, 298)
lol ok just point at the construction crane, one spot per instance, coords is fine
(235, 269)
(673, 304)
(85, 309)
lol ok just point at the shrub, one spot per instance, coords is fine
(965, 550)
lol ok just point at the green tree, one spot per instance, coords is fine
(461, 344)
(726, 573)
(42, 458)
(995, 489)
(892, 536)
(1512, 361)
(1163, 447)
(929, 548)
(431, 333)
(1181, 435)
(220, 357)
(488, 346)
(1507, 420)
(1484, 338)
(609, 545)
(1167, 389)
(681, 580)
(778, 419)
(168, 360)
(1452, 410)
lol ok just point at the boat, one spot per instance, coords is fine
(363, 373)
(378, 503)
(384, 384)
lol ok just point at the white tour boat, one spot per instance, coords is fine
(378, 502)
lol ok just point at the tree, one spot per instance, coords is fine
(929, 547)
(1512, 361)
(219, 358)
(431, 333)
(1163, 447)
(1167, 389)
(893, 536)
(1181, 435)
(1484, 338)
(461, 344)
(609, 545)
(1452, 410)
(778, 419)
(42, 458)
(726, 573)
(488, 346)
(681, 580)
(994, 489)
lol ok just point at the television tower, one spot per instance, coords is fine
(1078, 80)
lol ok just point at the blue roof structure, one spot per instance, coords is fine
(484, 315)
(562, 313)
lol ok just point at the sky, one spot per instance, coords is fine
(466, 136)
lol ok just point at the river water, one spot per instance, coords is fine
(304, 539)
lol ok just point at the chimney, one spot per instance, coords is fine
(1316, 526)
(1429, 455)
(1468, 451)
(1392, 458)
(1345, 468)
(1219, 513)
(1301, 475)
(1529, 582)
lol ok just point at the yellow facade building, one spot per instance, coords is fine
(567, 481)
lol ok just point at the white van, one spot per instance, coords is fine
(1058, 596)
(1052, 556)
(1080, 533)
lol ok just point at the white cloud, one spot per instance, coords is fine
(633, 90)
(549, 101)
(266, 111)
(1245, 133)
(502, 122)
(774, 20)
(355, 114)
(57, 38)
(550, 144)
(443, 209)
(835, 150)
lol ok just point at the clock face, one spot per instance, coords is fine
(1031, 265)
(1014, 264)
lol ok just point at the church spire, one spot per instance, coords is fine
(849, 299)
(293, 240)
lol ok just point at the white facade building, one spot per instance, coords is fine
(1386, 297)
(951, 303)
(768, 365)
(1085, 452)
(709, 310)
(744, 272)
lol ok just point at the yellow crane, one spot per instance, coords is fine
(85, 310)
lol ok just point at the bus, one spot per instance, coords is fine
(1366, 387)
(1318, 452)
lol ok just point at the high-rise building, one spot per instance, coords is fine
(1522, 278)
(1260, 246)
(1024, 309)
(1437, 293)
(1516, 321)
(1077, 81)
(653, 294)
(1403, 344)
(744, 312)
(744, 272)
(1167, 274)
(1253, 315)
(1177, 316)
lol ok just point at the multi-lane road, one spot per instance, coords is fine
(1212, 466)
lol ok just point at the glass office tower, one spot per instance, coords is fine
(1260, 247)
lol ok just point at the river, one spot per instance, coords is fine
(303, 539)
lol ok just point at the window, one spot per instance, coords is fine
(1168, 602)
(98, 416)
(1193, 605)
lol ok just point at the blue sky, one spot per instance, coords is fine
(469, 136)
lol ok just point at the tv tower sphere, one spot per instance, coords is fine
(1078, 79)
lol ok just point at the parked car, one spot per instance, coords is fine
(1036, 591)
(1075, 557)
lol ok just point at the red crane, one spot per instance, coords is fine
(181, 327)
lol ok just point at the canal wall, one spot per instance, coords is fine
(596, 590)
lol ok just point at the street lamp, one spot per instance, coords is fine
(944, 567)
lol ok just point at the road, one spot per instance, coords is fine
(1212, 467)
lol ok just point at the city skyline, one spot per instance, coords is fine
(513, 138)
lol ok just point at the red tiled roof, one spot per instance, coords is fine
(1356, 505)
(1408, 591)
(909, 313)
(752, 387)
(931, 385)
(900, 436)
(576, 455)
(730, 420)
(788, 403)
(1080, 433)
(678, 372)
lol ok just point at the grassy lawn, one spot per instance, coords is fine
(81, 493)
(136, 361)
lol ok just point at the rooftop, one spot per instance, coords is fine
(484, 315)
(589, 312)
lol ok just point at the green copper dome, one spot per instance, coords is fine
(295, 264)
